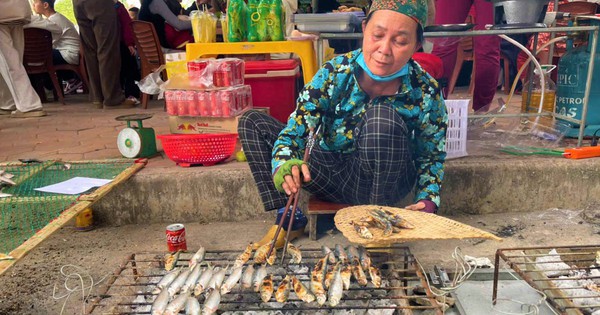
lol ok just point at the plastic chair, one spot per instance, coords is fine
(149, 50)
(79, 69)
(464, 52)
(37, 58)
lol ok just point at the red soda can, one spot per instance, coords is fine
(171, 103)
(192, 103)
(227, 98)
(215, 104)
(203, 101)
(176, 237)
(182, 105)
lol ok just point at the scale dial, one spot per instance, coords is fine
(129, 143)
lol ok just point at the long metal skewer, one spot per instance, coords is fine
(293, 197)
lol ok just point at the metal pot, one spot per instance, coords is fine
(521, 13)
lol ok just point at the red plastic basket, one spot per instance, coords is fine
(205, 149)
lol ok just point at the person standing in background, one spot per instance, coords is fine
(486, 48)
(129, 69)
(17, 97)
(98, 27)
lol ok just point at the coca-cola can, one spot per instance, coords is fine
(203, 99)
(172, 104)
(182, 104)
(176, 237)
(192, 103)
(227, 99)
(215, 104)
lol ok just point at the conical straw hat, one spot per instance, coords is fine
(428, 226)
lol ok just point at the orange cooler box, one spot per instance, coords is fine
(273, 85)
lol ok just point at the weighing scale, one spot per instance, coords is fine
(136, 141)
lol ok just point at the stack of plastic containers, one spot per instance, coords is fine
(216, 90)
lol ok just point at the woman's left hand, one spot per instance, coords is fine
(419, 206)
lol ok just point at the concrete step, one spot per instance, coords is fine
(163, 193)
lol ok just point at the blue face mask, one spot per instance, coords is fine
(387, 78)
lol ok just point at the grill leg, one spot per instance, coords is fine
(312, 226)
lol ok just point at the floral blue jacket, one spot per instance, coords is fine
(334, 98)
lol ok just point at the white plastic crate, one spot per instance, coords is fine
(456, 135)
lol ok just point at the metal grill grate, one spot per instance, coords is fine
(127, 292)
(567, 275)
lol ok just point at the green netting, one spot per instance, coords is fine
(28, 210)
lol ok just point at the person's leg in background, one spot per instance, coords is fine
(88, 41)
(487, 57)
(129, 72)
(106, 30)
(449, 12)
(16, 92)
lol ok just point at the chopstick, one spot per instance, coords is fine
(293, 198)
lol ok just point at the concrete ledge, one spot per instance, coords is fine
(163, 193)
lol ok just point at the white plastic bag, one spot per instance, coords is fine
(153, 84)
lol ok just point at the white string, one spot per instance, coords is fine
(78, 276)
(535, 307)
(463, 270)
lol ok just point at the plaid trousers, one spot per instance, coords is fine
(379, 171)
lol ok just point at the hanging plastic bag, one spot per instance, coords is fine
(153, 84)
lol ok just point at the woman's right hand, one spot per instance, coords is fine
(292, 183)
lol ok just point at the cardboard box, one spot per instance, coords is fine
(196, 125)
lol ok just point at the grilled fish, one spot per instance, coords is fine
(353, 254)
(260, 255)
(171, 260)
(316, 283)
(362, 230)
(203, 281)
(326, 250)
(266, 288)
(198, 257)
(160, 303)
(346, 273)
(192, 306)
(259, 275)
(359, 273)
(336, 290)
(177, 304)
(375, 275)
(365, 258)
(191, 280)
(166, 280)
(283, 291)
(302, 291)
(247, 277)
(398, 221)
(233, 279)
(178, 283)
(341, 254)
(211, 305)
(243, 257)
(217, 279)
(295, 253)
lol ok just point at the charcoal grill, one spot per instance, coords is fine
(128, 289)
(560, 283)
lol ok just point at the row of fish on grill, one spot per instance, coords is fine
(180, 288)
